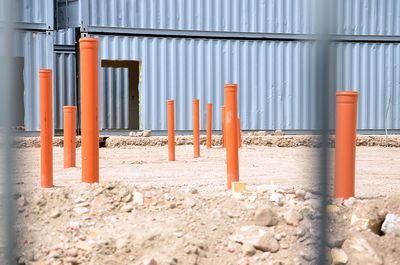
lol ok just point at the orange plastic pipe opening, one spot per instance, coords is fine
(232, 156)
(89, 50)
(345, 151)
(196, 128)
(46, 128)
(171, 130)
(69, 136)
(239, 136)
(209, 125)
(223, 126)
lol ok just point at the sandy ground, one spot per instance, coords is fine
(377, 167)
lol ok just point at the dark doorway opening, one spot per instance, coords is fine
(132, 99)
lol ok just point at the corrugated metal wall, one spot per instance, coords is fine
(276, 82)
(64, 37)
(355, 17)
(113, 98)
(37, 50)
(64, 85)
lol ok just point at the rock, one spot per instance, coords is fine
(349, 202)
(260, 133)
(277, 198)
(84, 245)
(265, 217)
(339, 256)
(132, 134)
(259, 238)
(73, 252)
(54, 254)
(391, 225)
(382, 214)
(138, 198)
(300, 194)
(191, 190)
(146, 133)
(360, 252)
(278, 133)
(55, 214)
(149, 261)
(362, 224)
(335, 240)
(292, 217)
(332, 208)
(248, 249)
(127, 208)
(81, 210)
(21, 201)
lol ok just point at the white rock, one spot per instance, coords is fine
(191, 190)
(277, 198)
(265, 216)
(360, 251)
(146, 133)
(391, 225)
(138, 198)
(339, 256)
(259, 238)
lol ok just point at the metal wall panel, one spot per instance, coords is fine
(354, 17)
(113, 98)
(64, 37)
(373, 69)
(37, 50)
(276, 80)
(33, 14)
(64, 85)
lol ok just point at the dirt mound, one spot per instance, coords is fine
(114, 223)
(257, 138)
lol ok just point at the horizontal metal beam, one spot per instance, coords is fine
(64, 48)
(234, 35)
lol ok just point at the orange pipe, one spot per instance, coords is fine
(196, 128)
(223, 126)
(89, 50)
(239, 136)
(171, 130)
(69, 136)
(345, 152)
(209, 125)
(232, 156)
(46, 128)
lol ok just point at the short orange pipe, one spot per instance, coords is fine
(171, 130)
(69, 136)
(239, 136)
(196, 128)
(209, 125)
(345, 152)
(232, 156)
(89, 50)
(46, 128)
(223, 126)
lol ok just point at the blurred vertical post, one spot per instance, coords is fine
(345, 147)
(171, 130)
(89, 51)
(322, 25)
(209, 125)
(223, 125)
(7, 119)
(69, 136)
(196, 128)
(46, 128)
(232, 157)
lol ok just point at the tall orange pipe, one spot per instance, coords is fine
(89, 50)
(209, 125)
(232, 156)
(345, 152)
(46, 128)
(171, 130)
(223, 126)
(69, 136)
(239, 136)
(196, 128)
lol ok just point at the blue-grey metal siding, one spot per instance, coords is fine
(64, 85)
(32, 14)
(37, 50)
(64, 37)
(276, 80)
(354, 17)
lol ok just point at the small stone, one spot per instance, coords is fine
(54, 254)
(178, 234)
(146, 133)
(300, 194)
(259, 238)
(81, 210)
(382, 214)
(339, 256)
(278, 133)
(248, 249)
(138, 198)
(292, 217)
(332, 208)
(277, 198)
(362, 224)
(284, 246)
(55, 214)
(265, 217)
(73, 252)
(391, 225)
(191, 190)
(359, 251)
(127, 208)
(335, 240)
(121, 243)
(149, 261)
(349, 202)
(21, 201)
(84, 245)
